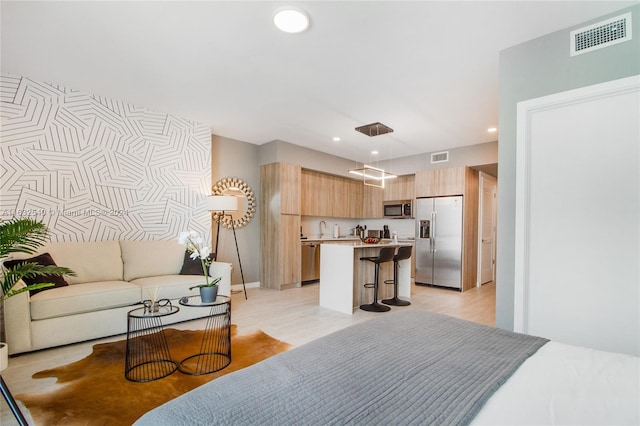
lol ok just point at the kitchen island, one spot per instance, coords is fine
(343, 275)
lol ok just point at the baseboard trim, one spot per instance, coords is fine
(238, 287)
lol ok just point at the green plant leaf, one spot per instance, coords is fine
(21, 236)
(25, 236)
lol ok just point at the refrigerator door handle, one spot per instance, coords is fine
(433, 232)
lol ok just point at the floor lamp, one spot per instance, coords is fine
(223, 204)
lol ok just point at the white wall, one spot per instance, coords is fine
(233, 158)
(537, 68)
(278, 151)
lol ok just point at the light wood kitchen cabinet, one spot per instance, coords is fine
(309, 184)
(290, 189)
(328, 195)
(283, 181)
(440, 182)
(400, 188)
(280, 226)
(372, 199)
(350, 195)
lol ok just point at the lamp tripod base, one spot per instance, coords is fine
(244, 287)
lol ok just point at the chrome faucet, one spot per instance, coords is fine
(323, 226)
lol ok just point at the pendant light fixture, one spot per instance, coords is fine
(372, 176)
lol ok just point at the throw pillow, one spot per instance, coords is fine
(193, 266)
(44, 259)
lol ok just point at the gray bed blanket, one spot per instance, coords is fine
(410, 367)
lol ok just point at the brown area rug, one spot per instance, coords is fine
(97, 393)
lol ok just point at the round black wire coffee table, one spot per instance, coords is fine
(147, 353)
(215, 349)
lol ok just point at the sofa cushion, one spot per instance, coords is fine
(91, 261)
(169, 286)
(44, 260)
(87, 297)
(151, 258)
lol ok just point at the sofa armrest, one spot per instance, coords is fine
(17, 321)
(222, 269)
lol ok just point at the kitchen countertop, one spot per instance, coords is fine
(350, 239)
(360, 244)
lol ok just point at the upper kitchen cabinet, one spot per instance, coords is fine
(312, 186)
(400, 188)
(372, 199)
(328, 195)
(281, 181)
(440, 182)
(350, 197)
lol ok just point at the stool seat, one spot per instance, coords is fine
(404, 252)
(386, 255)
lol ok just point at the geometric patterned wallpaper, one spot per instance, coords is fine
(93, 169)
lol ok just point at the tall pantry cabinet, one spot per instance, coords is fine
(280, 226)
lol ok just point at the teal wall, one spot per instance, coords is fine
(530, 70)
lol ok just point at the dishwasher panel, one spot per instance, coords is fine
(310, 262)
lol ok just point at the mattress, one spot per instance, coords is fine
(568, 385)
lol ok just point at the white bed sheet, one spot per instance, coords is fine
(568, 385)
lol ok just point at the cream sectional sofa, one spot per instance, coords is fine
(112, 276)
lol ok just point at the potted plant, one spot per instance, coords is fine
(24, 236)
(21, 236)
(195, 246)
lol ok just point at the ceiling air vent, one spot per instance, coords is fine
(603, 34)
(440, 157)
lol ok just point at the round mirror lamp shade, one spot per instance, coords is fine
(245, 203)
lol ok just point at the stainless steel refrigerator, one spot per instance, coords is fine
(439, 241)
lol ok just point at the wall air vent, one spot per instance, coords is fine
(602, 34)
(440, 157)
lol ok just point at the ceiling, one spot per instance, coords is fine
(427, 69)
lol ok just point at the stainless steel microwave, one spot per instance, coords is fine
(400, 209)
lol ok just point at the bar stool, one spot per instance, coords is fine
(386, 255)
(404, 252)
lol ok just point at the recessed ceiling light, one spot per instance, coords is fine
(492, 129)
(336, 139)
(374, 152)
(291, 20)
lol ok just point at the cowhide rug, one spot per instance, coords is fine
(95, 391)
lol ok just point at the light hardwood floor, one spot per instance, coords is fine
(292, 316)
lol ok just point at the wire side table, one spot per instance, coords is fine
(147, 352)
(215, 349)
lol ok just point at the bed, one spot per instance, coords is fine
(418, 368)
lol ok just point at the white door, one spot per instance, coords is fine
(487, 229)
(577, 277)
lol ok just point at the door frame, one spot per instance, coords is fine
(482, 178)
